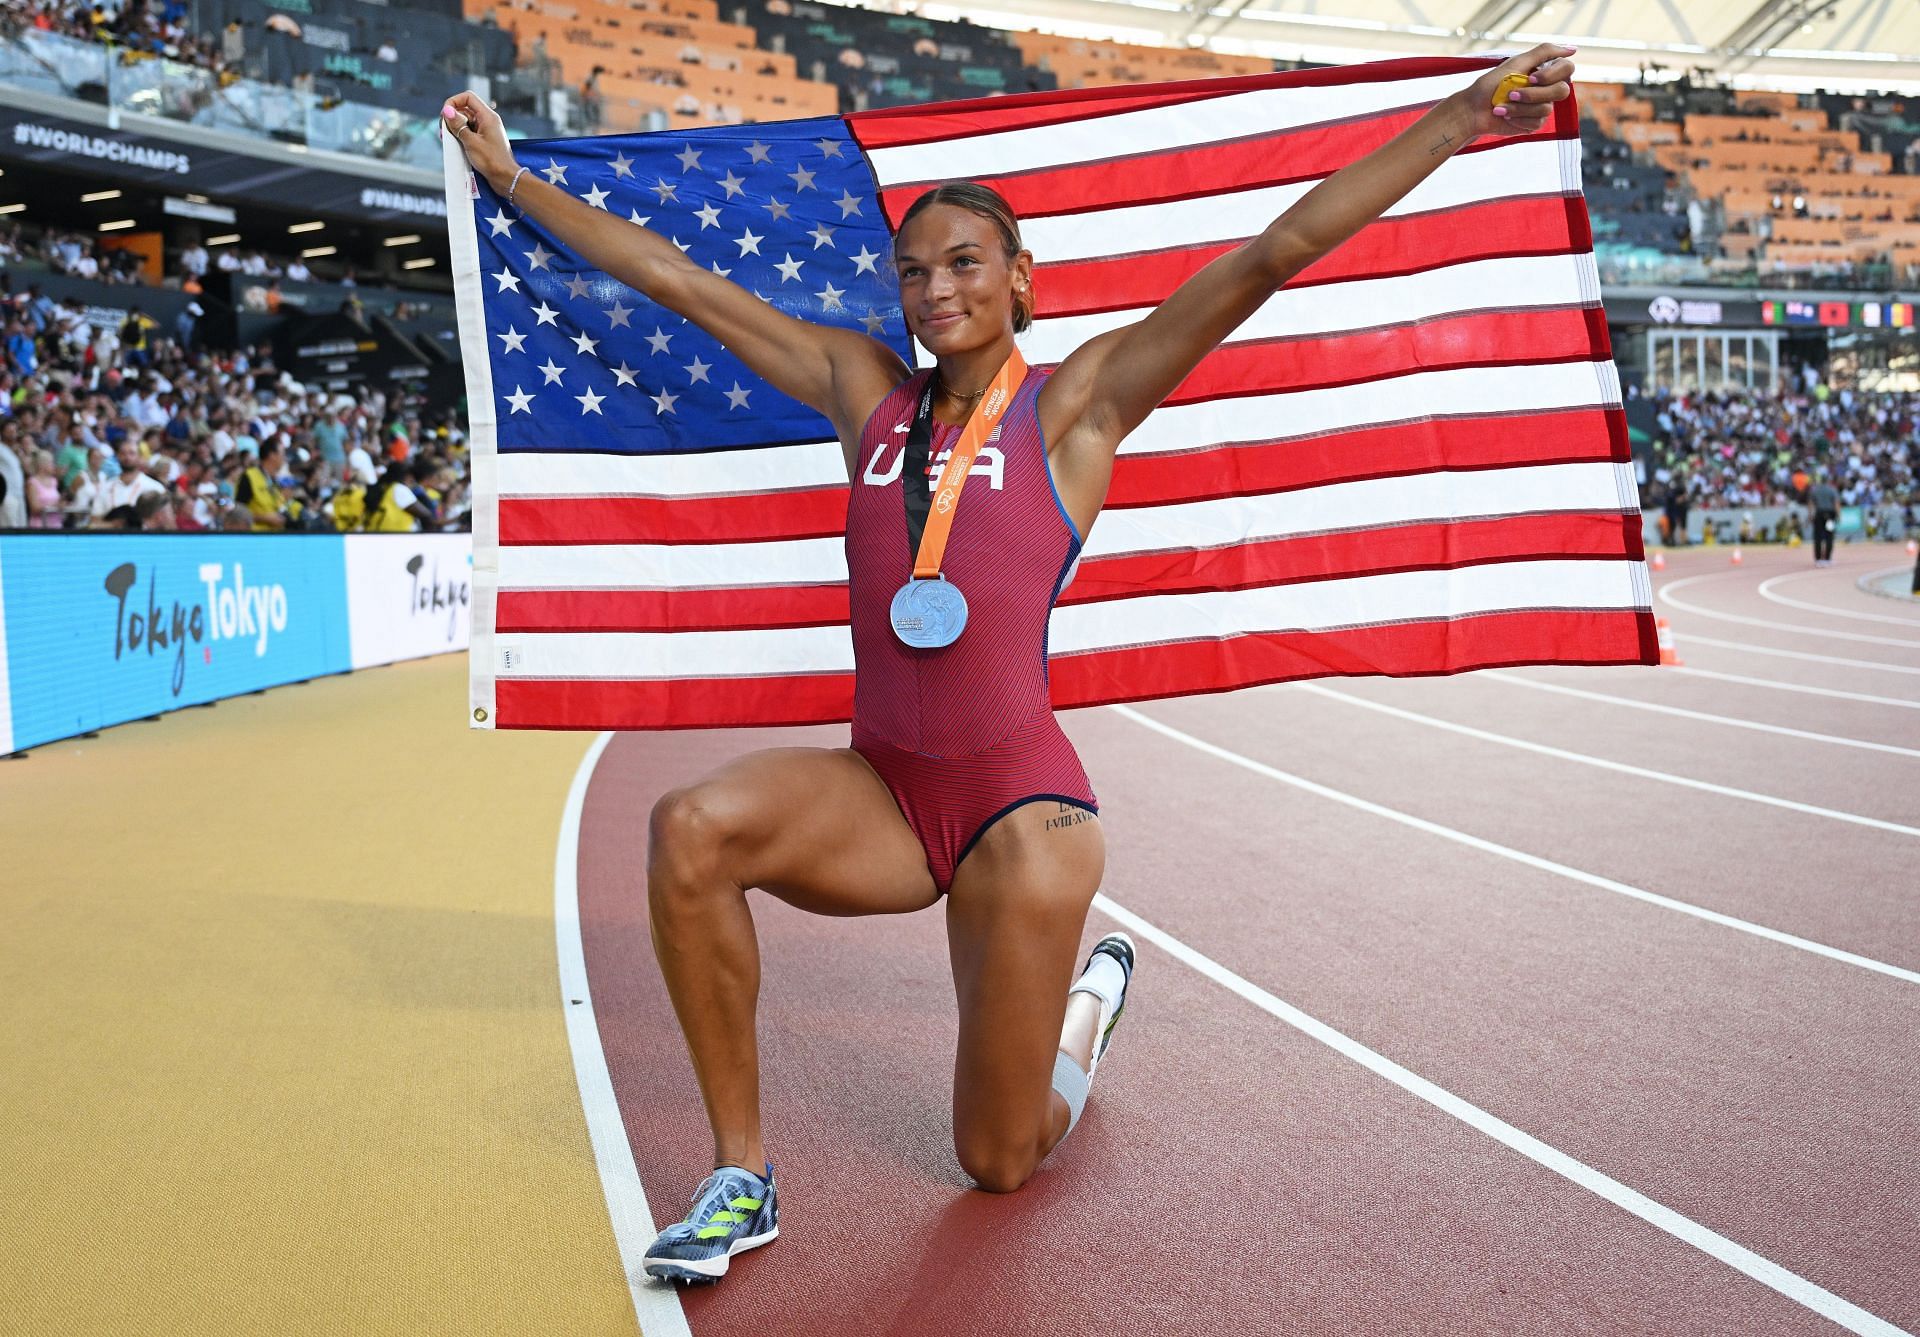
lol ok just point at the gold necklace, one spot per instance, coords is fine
(963, 399)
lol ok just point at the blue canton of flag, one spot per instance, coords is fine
(582, 362)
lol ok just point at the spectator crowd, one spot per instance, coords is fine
(147, 27)
(124, 428)
(1733, 449)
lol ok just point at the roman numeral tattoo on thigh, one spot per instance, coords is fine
(1069, 816)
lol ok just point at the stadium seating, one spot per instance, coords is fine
(1078, 63)
(1818, 187)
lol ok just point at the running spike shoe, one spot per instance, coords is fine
(1120, 947)
(733, 1211)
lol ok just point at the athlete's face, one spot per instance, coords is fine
(956, 282)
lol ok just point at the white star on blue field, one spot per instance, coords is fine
(581, 362)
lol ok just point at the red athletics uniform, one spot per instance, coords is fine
(964, 734)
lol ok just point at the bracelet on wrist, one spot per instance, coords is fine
(513, 186)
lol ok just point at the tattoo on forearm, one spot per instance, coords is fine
(1446, 142)
(1069, 816)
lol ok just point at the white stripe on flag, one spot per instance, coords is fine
(1530, 168)
(1372, 503)
(1206, 120)
(1510, 283)
(1324, 605)
(714, 473)
(1408, 596)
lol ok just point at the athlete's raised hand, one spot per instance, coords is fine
(1548, 70)
(483, 135)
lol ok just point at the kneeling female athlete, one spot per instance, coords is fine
(958, 780)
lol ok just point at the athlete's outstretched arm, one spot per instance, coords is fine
(1106, 387)
(841, 373)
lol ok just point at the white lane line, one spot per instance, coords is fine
(1621, 767)
(1767, 592)
(1666, 596)
(1520, 856)
(1752, 649)
(655, 1304)
(1900, 701)
(1499, 675)
(1683, 1228)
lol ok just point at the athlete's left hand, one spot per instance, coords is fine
(1549, 70)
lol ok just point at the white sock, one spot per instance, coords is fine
(1105, 980)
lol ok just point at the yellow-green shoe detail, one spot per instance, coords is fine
(733, 1211)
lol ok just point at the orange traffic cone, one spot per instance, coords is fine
(1664, 633)
(1736, 556)
(1659, 562)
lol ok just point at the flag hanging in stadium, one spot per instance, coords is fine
(1413, 460)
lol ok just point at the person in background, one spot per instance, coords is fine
(83, 490)
(259, 491)
(347, 507)
(330, 438)
(153, 513)
(134, 337)
(392, 507)
(44, 510)
(13, 479)
(1825, 500)
(128, 486)
(186, 323)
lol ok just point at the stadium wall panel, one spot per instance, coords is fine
(100, 629)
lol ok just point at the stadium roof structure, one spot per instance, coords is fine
(1797, 44)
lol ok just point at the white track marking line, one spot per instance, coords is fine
(1622, 767)
(1666, 596)
(1685, 1229)
(1499, 675)
(1767, 593)
(1520, 856)
(655, 1304)
(1777, 685)
(1796, 654)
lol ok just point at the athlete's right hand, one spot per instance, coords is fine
(483, 135)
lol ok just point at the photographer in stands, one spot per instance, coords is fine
(258, 489)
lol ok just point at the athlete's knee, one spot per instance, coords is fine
(996, 1162)
(997, 1170)
(686, 837)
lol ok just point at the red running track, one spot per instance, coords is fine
(1231, 1172)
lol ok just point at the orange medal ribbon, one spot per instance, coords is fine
(946, 496)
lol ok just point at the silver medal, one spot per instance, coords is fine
(929, 614)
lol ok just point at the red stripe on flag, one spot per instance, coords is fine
(1566, 437)
(1445, 545)
(1402, 650)
(677, 703)
(1387, 248)
(1412, 649)
(748, 517)
(1446, 343)
(893, 127)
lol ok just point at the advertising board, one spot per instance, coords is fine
(408, 595)
(99, 629)
(102, 629)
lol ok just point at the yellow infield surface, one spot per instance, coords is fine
(283, 1048)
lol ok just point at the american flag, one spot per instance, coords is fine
(1413, 460)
